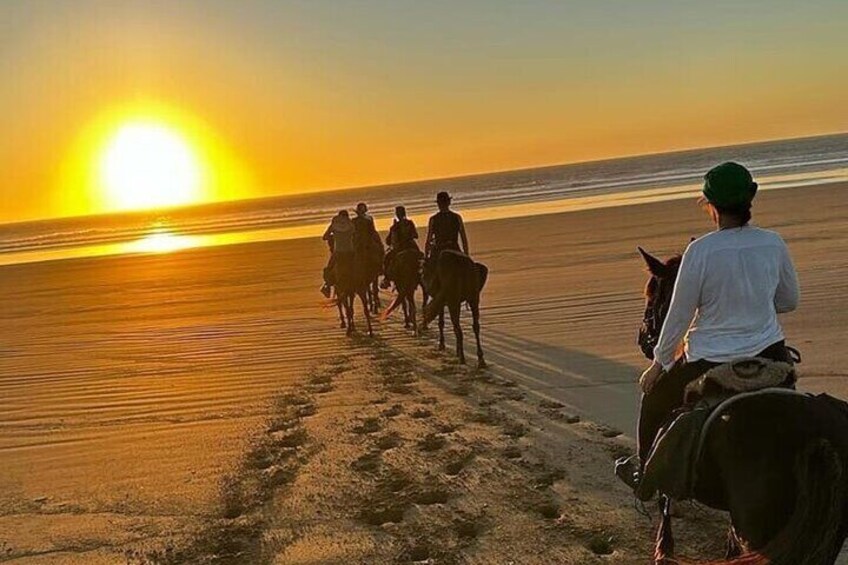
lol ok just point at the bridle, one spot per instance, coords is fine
(659, 299)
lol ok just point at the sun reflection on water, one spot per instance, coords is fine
(162, 241)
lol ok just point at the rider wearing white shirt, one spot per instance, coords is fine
(731, 285)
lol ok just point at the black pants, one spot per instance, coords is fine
(667, 395)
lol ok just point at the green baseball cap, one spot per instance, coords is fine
(729, 185)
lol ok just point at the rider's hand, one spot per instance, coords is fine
(650, 377)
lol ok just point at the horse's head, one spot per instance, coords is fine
(658, 292)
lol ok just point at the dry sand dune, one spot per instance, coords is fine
(202, 407)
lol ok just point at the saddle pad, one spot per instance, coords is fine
(742, 375)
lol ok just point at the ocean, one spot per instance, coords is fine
(502, 194)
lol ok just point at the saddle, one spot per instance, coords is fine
(673, 460)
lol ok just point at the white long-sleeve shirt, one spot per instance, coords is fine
(731, 286)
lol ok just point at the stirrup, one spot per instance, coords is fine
(629, 471)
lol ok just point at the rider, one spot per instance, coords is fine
(444, 229)
(732, 284)
(402, 236)
(365, 232)
(339, 237)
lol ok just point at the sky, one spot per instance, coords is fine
(298, 96)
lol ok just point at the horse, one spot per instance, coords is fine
(776, 460)
(451, 279)
(351, 281)
(406, 273)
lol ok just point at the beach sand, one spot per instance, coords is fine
(203, 406)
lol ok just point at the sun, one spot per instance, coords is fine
(146, 164)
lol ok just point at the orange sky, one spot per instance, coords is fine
(305, 96)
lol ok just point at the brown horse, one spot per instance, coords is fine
(452, 279)
(776, 460)
(351, 281)
(406, 273)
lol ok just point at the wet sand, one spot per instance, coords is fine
(202, 406)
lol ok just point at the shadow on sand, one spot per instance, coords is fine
(600, 389)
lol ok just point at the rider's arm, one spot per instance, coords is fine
(428, 243)
(414, 231)
(328, 233)
(463, 237)
(786, 296)
(681, 311)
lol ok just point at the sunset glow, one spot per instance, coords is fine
(147, 165)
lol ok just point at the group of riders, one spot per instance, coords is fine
(731, 285)
(358, 235)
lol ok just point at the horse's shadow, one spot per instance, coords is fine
(601, 389)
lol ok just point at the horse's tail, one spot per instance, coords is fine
(814, 529)
(396, 301)
(434, 306)
(483, 274)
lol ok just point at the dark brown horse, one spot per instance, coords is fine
(352, 278)
(406, 273)
(452, 279)
(776, 460)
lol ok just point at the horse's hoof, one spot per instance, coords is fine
(441, 347)
(481, 365)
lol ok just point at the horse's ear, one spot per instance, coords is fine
(655, 266)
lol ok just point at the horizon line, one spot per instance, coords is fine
(406, 182)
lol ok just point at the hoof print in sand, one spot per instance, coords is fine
(457, 463)
(512, 394)
(320, 384)
(609, 432)
(425, 496)
(278, 476)
(551, 405)
(512, 452)
(514, 430)
(385, 512)
(416, 553)
(367, 426)
(468, 527)
(421, 413)
(368, 463)
(601, 544)
(447, 427)
(549, 510)
(393, 411)
(289, 438)
(388, 441)
(432, 442)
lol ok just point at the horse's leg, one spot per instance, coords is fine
(664, 550)
(375, 289)
(475, 314)
(411, 299)
(364, 299)
(455, 310)
(442, 330)
(348, 300)
(424, 299)
(405, 307)
(342, 323)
